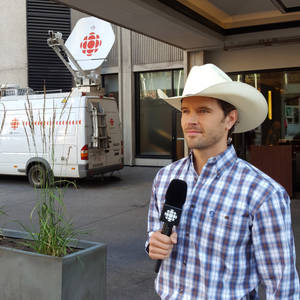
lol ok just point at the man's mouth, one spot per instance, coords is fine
(193, 131)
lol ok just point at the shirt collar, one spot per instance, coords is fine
(221, 161)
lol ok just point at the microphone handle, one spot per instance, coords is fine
(166, 230)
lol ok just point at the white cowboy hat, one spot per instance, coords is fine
(209, 81)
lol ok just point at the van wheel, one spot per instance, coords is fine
(37, 175)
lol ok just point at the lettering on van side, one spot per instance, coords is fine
(47, 123)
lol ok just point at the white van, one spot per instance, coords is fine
(74, 135)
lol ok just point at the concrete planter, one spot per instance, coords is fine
(31, 276)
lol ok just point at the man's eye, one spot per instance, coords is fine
(203, 111)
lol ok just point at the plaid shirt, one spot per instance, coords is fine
(234, 233)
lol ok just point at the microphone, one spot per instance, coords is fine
(171, 213)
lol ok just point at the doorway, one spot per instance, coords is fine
(158, 130)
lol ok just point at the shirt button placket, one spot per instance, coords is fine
(184, 258)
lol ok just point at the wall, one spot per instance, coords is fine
(13, 50)
(146, 50)
(259, 58)
(45, 69)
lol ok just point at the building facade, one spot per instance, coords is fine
(138, 65)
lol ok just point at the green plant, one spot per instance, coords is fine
(55, 231)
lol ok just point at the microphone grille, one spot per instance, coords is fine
(176, 193)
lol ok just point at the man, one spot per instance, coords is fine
(235, 229)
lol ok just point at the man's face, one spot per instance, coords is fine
(204, 124)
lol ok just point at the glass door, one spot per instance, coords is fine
(158, 130)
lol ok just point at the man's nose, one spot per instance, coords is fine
(192, 118)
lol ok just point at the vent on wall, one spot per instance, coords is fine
(43, 63)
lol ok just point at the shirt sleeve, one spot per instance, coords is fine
(153, 214)
(274, 248)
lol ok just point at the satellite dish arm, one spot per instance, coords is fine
(56, 42)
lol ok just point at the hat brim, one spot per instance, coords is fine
(250, 103)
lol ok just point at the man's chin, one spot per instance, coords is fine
(192, 145)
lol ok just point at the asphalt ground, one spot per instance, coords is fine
(112, 210)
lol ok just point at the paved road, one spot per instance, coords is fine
(113, 211)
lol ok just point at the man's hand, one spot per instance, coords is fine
(160, 245)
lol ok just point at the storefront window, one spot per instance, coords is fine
(155, 116)
(281, 127)
(282, 92)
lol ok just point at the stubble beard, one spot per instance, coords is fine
(206, 140)
(202, 143)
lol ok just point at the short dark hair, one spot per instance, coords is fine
(227, 108)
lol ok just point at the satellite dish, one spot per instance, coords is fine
(90, 42)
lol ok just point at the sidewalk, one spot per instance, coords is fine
(113, 211)
(118, 214)
(116, 210)
(121, 223)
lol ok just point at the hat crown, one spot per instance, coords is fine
(203, 77)
(209, 81)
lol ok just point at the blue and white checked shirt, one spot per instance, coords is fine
(235, 232)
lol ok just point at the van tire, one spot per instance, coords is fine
(37, 175)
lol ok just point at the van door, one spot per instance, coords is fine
(98, 140)
(114, 155)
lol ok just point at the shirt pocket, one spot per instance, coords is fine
(222, 235)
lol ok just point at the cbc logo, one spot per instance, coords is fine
(170, 215)
(90, 44)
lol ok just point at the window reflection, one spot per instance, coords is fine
(178, 89)
(111, 85)
(155, 114)
(178, 82)
(282, 92)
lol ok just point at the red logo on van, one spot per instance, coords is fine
(90, 44)
(14, 124)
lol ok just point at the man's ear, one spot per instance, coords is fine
(232, 118)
